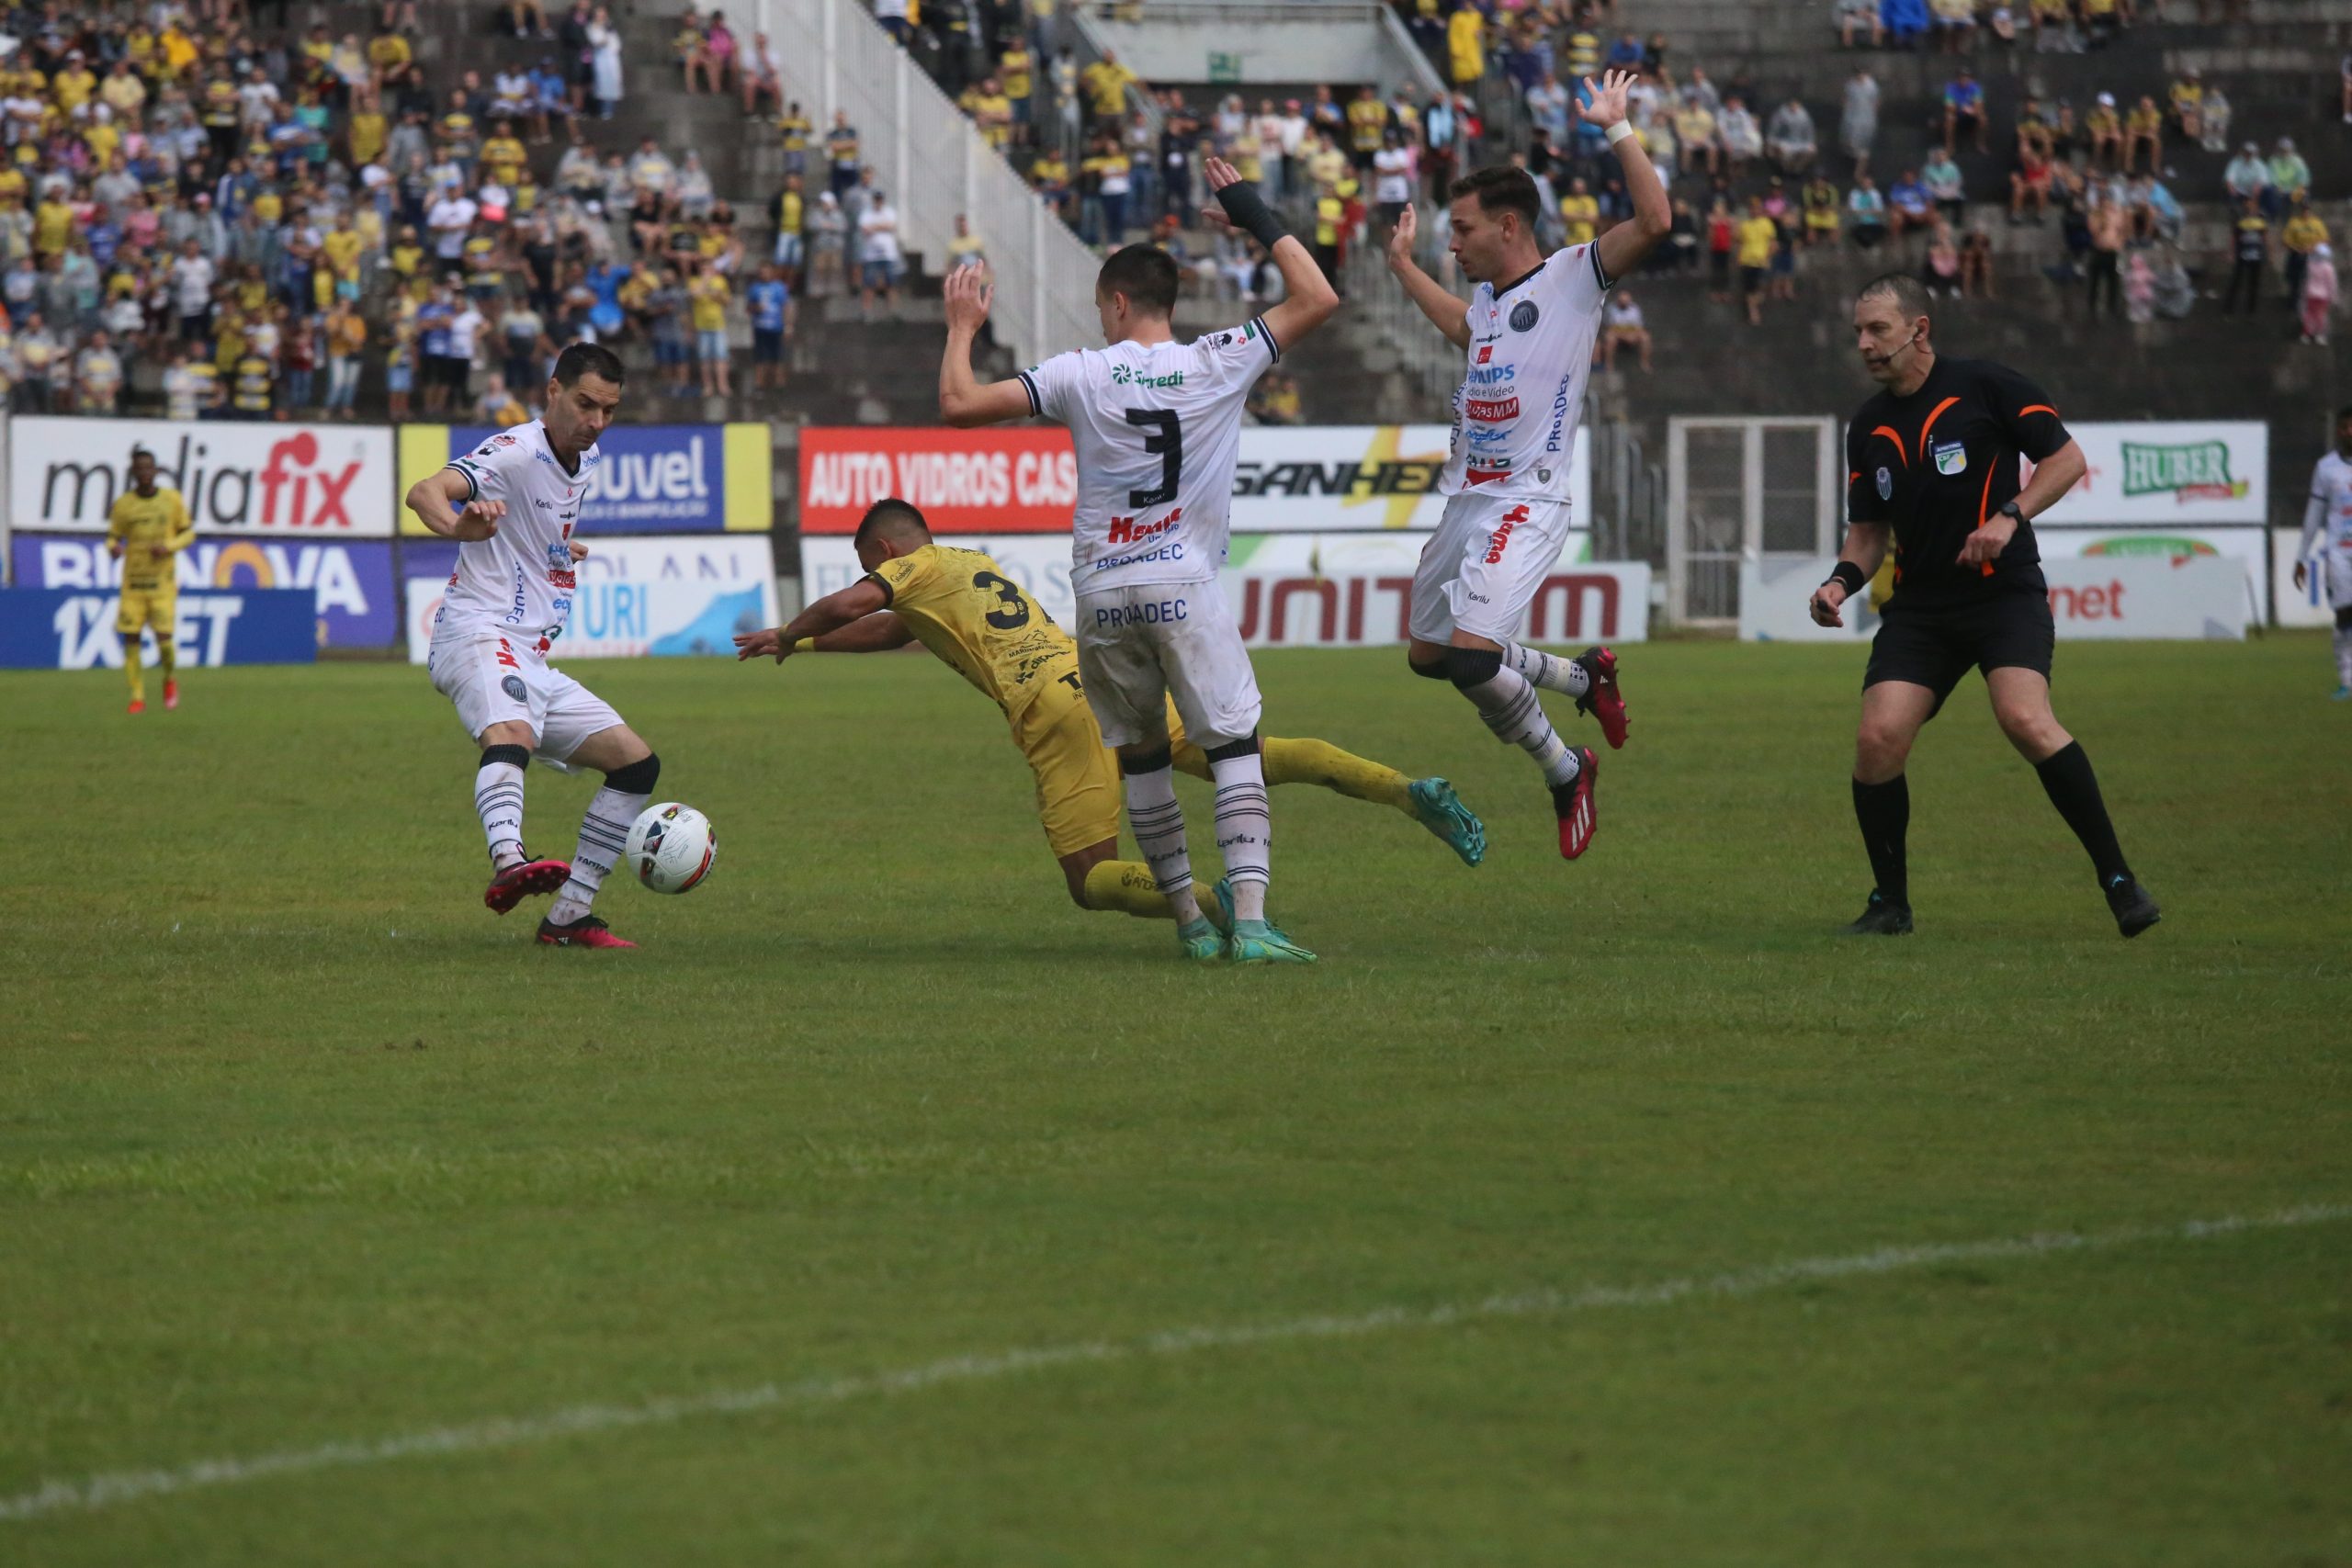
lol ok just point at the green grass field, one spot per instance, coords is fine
(299, 1146)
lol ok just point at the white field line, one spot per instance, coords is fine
(113, 1488)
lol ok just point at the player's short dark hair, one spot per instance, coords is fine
(588, 359)
(890, 515)
(1145, 274)
(1910, 295)
(2344, 413)
(146, 452)
(1506, 187)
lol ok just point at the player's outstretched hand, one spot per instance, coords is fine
(1609, 99)
(968, 291)
(2301, 573)
(578, 551)
(1221, 173)
(478, 519)
(1825, 601)
(752, 645)
(1400, 239)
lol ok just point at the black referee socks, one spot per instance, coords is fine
(1884, 812)
(2074, 790)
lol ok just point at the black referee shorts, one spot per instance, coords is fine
(1935, 646)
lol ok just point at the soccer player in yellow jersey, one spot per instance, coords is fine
(960, 606)
(147, 526)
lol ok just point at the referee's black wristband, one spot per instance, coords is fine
(1251, 214)
(1848, 576)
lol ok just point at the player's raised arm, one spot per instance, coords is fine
(447, 504)
(831, 614)
(1624, 246)
(1448, 309)
(1308, 299)
(963, 401)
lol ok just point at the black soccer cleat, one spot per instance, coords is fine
(1883, 917)
(2135, 910)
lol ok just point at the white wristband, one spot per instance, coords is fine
(1619, 131)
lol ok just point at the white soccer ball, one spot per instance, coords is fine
(671, 847)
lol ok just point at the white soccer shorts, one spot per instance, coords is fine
(494, 679)
(2339, 579)
(1142, 645)
(1481, 569)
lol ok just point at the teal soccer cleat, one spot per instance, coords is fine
(1442, 812)
(1202, 943)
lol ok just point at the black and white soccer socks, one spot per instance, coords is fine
(1507, 703)
(1245, 824)
(604, 836)
(1548, 671)
(1158, 821)
(498, 801)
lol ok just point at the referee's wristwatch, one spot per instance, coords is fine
(2010, 510)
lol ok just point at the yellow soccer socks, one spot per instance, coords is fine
(1126, 884)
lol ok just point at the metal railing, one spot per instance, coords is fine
(932, 163)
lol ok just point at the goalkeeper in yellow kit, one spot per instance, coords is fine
(960, 606)
(147, 526)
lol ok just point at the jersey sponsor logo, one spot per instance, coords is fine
(564, 579)
(1559, 414)
(1128, 376)
(1497, 468)
(1173, 551)
(1127, 531)
(1486, 354)
(1491, 408)
(1523, 316)
(1489, 375)
(1157, 612)
(559, 555)
(1500, 539)
(1951, 458)
(1488, 435)
(1885, 484)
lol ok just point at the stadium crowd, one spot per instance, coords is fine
(268, 216)
(1758, 180)
(207, 215)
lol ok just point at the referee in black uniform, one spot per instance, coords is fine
(1932, 459)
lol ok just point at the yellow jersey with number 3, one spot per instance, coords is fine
(981, 624)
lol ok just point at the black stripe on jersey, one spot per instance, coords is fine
(1272, 347)
(1036, 404)
(882, 582)
(1600, 273)
(473, 489)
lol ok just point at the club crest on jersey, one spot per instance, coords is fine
(1885, 484)
(1522, 316)
(1951, 458)
(513, 686)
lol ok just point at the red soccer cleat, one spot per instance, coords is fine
(585, 931)
(1602, 699)
(1573, 801)
(511, 887)
(171, 694)
(139, 705)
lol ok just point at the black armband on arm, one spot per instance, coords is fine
(1848, 576)
(1251, 214)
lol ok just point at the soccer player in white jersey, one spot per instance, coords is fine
(512, 503)
(1529, 331)
(2330, 516)
(1157, 428)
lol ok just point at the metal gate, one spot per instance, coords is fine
(1744, 489)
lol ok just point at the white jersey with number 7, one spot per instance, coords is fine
(1157, 429)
